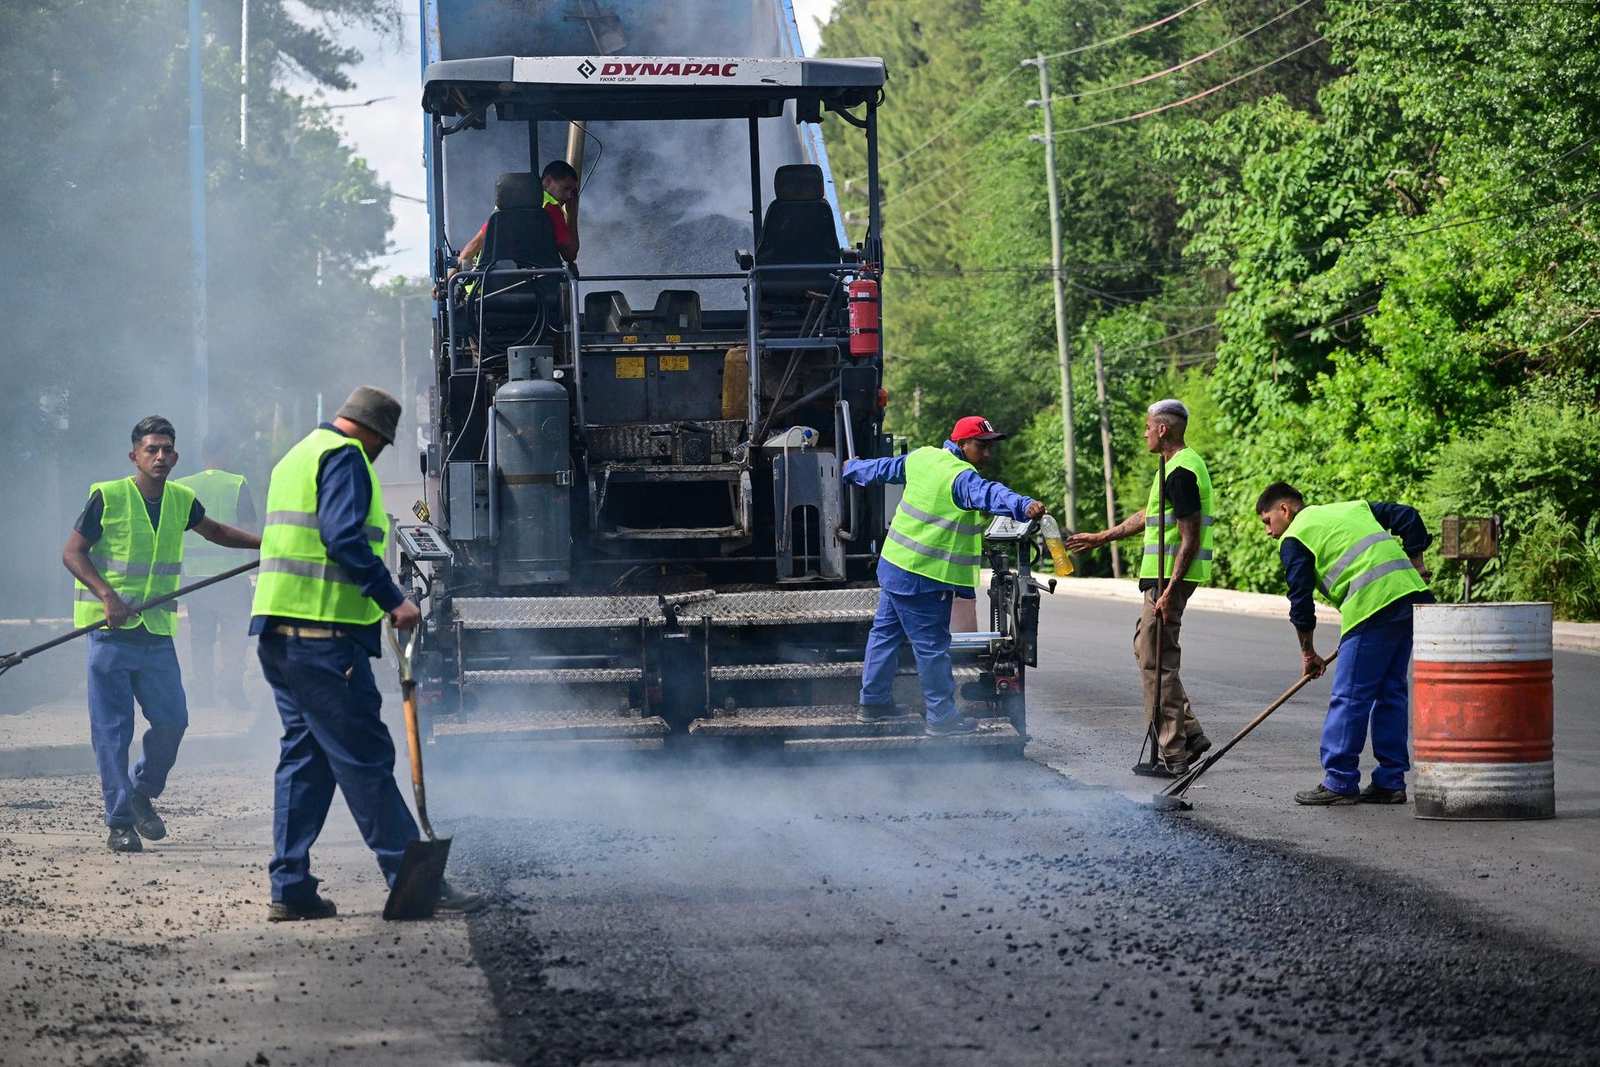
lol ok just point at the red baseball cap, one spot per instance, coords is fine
(974, 426)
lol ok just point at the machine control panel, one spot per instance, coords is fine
(424, 544)
(1006, 529)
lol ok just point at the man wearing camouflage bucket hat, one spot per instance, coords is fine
(319, 610)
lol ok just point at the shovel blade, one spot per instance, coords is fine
(416, 890)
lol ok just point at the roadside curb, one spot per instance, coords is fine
(1568, 636)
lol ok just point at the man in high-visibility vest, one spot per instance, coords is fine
(126, 548)
(931, 553)
(1366, 558)
(217, 616)
(319, 607)
(1179, 569)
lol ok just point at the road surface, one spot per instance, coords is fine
(927, 913)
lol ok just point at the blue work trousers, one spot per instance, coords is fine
(924, 620)
(1369, 683)
(122, 670)
(332, 735)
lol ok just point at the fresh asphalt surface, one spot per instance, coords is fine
(1028, 911)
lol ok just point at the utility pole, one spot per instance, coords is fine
(402, 450)
(1063, 351)
(244, 77)
(1105, 455)
(199, 380)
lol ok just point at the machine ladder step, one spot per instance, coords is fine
(992, 734)
(818, 720)
(775, 672)
(555, 676)
(549, 726)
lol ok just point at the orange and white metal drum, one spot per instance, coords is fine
(1483, 716)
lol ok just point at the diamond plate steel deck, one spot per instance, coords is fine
(765, 672)
(557, 676)
(555, 612)
(578, 725)
(826, 720)
(992, 733)
(788, 607)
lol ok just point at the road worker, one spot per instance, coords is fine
(218, 616)
(319, 607)
(127, 547)
(1179, 566)
(558, 186)
(931, 553)
(1366, 557)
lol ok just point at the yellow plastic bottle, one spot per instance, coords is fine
(1057, 547)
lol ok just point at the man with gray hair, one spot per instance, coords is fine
(1170, 569)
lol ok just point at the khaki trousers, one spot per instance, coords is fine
(1175, 722)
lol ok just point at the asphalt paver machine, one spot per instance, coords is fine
(635, 533)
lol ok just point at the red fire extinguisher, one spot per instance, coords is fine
(863, 318)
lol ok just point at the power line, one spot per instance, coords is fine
(995, 80)
(1136, 31)
(928, 211)
(1196, 96)
(1188, 62)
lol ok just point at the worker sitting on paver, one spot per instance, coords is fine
(126, 548)
(319, 607)
(1178, 735)
(217, 616)
(559, 185)
(1350, 552)
(931, 553)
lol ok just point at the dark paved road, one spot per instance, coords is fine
(980, 913)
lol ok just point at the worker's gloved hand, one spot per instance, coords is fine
(1312, 664)
(118, 611)
(406, 616)
(1036, 510)
(1422, 568)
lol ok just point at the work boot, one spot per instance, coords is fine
(123, 839)
(453, 899)
(1374, 795)
(1196, 746)
(1323, 797)
(319, 907)
(876, 713)
(145, 819)
(1162, 769)
(954, 726)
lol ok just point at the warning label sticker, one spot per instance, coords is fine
(674, 363)
(630, 367)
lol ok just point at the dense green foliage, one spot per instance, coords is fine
(1369, 265)
(96, 183)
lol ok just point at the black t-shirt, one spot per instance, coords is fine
(89, 519)
(1183, 500)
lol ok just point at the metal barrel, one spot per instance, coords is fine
(1484, 712)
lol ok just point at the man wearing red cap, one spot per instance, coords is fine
(931, 554)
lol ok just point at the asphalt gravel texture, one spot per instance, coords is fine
(976, 912)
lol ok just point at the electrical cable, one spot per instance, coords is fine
(1136, 31)
(994, 81)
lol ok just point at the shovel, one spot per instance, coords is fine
(416, 889)
(1153, 768)
(1171, 798)
(11, 659)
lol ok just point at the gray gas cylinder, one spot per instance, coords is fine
(534, 483)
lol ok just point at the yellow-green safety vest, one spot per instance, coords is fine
(138, 562)
(1200, 569)
(1361, 567)
(930, 534)
(298, 579)
(218, 491)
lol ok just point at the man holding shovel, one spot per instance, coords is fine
(319, 607)
(127, 545)
(1367, 560)
(1176, 561)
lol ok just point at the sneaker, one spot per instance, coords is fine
(123, 839)
(1324, 797)
(1373, 795)
(875, 713)
(1197, 746)
(319, 907)
(453, 899)
(145, 819)
(954, 726)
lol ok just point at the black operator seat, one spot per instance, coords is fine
(519, 235)
(799, 227)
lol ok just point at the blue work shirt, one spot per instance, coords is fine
(970, 491)
(344, 496)
(1300, 568)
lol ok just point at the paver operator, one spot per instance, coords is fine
(217, 616)
(931, 553)
(127, 547)
(1184, 567)
(1367, 560)
(558, 188)
(319, 607)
